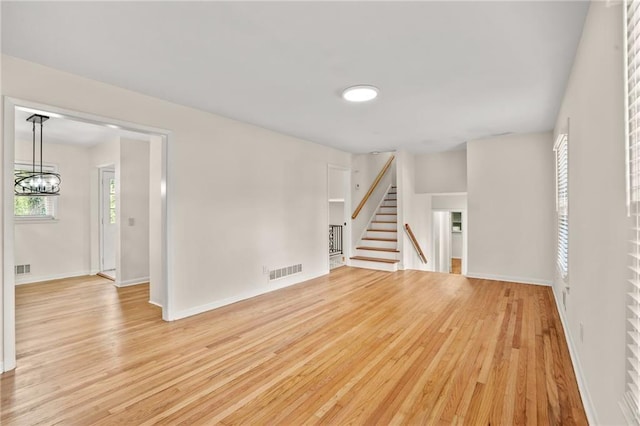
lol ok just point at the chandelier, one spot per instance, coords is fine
(36, 182)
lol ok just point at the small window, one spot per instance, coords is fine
(562, 204)
(112, 201)
(27, 207)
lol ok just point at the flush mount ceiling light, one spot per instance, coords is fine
(360, 93)
(36, 182)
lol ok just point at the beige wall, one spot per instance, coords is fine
(59, 248)
(510, 203)
(443, 172)
(133, 212)
(598, 224)
(413, 209)
(239, 197)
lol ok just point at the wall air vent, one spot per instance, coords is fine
(23, 269)
(276, 274)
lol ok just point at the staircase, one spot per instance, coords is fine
(378, 249)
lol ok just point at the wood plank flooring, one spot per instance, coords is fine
(354, 347)
(456, 266)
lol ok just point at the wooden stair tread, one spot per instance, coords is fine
(382, 230)
(390, 250)
(388, 214)
(374, 259)
(380, 239)
(383, 221)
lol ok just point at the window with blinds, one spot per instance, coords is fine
(34, 207)
(562, 204)
(631, 403)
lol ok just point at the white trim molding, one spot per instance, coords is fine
(240, 297)
(133, 281)
(589, 408)
(28, 279)
(519, 280)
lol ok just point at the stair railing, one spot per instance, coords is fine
(335, 239)
(374, 185)
(414, 241)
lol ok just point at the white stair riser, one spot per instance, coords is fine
(379, 254)
(391, 196)
(393, 203)
(386, 226)
(380, 244)
(380, 266)
(382, 234)
(384, 209)
(387, 217)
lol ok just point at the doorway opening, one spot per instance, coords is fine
(18, 231)
(449, 241)
(339, 203)
(107, 218)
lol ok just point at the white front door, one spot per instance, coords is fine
(108, 220)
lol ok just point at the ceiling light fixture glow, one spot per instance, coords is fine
(360, 93)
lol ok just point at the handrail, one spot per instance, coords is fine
(415, 243)
(373, 187)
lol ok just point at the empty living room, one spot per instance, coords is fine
(310, 212)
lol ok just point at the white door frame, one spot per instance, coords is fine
(8, 154)
(465, 255)
(346, 235)
(101, 171)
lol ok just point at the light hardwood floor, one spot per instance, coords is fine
(354, 347)
(456, 266)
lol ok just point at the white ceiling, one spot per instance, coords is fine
(448, 72)
(67, 131)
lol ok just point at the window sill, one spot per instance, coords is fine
(39, 220)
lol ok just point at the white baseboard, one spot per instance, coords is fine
(240, 297)
(155, 303)
(589, 408)
(134, 281)
(519, 280)
(1, 367)
(38, 279)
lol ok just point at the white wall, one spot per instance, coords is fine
(365, 169)
(442, 172)
(456, 245)
(337, 184)
(156, 294)
(59, 248)
(449, 202)
(239, 197)
(133, 212)
(510, 207)
(336, 213)
(598, 225)
(415, 210)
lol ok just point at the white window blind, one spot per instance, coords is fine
(562, 204)
(631, 403)
(35, 207)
